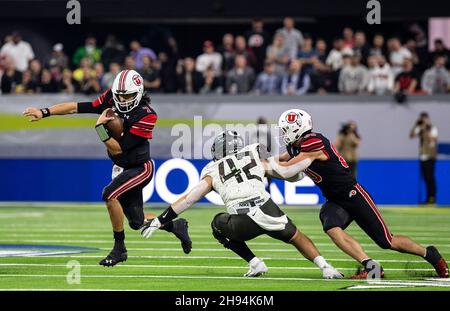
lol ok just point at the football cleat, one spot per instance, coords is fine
(256, 269)
(113, 258)
(180, 230)
(367, 274)
(441, 268)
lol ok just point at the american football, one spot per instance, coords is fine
(212, 146)
(115, 126)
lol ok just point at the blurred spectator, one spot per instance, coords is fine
(321, 76)
(407, 81)
(397, 55)
(268, 81)
(227, 52)
(11, 76)
(241, 78)
(35, 70)
(68, 84)
(296, 81)
(58, 59)
(436, 80)
(129, 63)
(167, 71)
(20, 51)
(108, 78)
(381, 77)
(293, 37)
(85, 67)
(240, 45)
(89, 50)
(334, 58)
(348, 38)
(190, 80)
(378, 48)
(354, 77)
(138, 52)
(152, 81)
(258, 40)
(113, 51)
(99, 73)
(428, 135)
(361, 47)
(347, 143)
(212, 84)
(278, 53)
(89, 84)
(411, 45)
(441, 50)
(209, 58)
(28, 86)
(48, 84)
(307, 54)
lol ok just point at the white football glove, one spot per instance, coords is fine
(331, 273)
(150, 227)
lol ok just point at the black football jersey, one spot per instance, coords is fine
(137, 129)
(333, 175)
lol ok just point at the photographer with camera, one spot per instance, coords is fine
(428, 135)
(347, 144)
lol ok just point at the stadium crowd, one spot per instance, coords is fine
(289, 62)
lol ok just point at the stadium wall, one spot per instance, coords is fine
(69, 164)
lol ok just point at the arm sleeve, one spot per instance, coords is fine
(198, 192)
(97, 106)
(144, 127)
(312, 144)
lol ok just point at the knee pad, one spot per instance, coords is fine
(134, 225)
(216, 230)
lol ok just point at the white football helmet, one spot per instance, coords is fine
(294, 123)
(130, 85)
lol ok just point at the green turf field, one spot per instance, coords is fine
(159, 263)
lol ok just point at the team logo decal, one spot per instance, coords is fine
(351, 193)
(291, 117)
(137, 80)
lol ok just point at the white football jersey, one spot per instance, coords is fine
(238, 178)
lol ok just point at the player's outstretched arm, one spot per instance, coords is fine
(36, 114)
(293, 167)
(179, 206)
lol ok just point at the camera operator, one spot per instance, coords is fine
(347, 143)
(428, 135)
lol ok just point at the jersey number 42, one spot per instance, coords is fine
(237, 172)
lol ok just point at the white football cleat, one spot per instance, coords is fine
(257, 267)
(331, 273)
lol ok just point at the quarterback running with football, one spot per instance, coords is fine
(346, 200)
(133, 167)
(237, 174)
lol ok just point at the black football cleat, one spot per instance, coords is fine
(113, 258)
(180, 229)
(435, 259)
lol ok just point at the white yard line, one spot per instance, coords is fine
(226, 258)
(193, 267)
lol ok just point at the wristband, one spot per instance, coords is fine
(102, 132)
(168, 215)
(45, 112)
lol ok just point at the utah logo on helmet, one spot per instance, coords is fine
(127, 89)
(294, 123)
